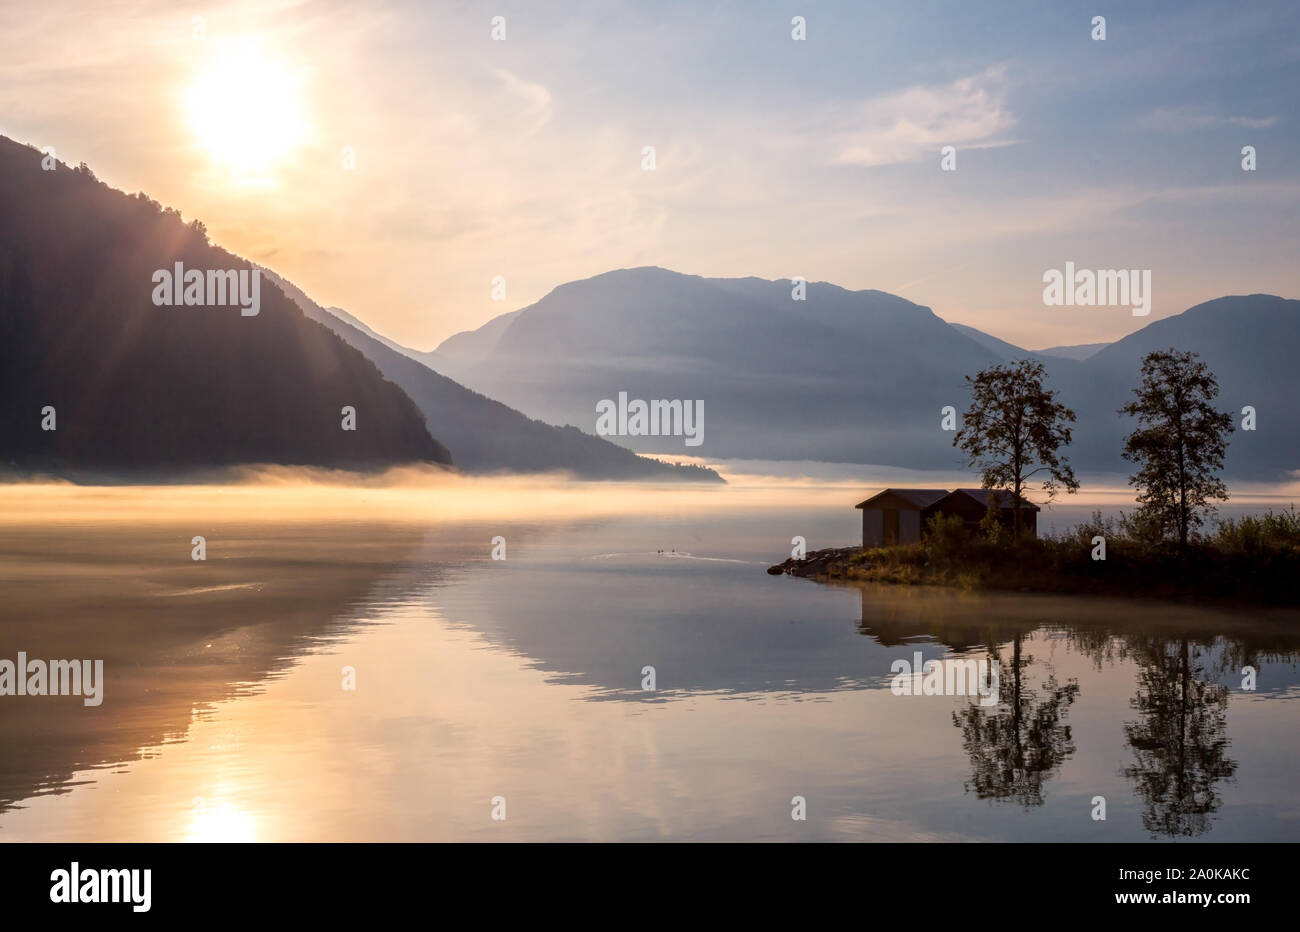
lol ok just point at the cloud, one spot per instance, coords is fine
(1253, 122)
(912, 124)
(1187, 119)
(535, 98)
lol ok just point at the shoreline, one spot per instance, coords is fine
(1197, 578)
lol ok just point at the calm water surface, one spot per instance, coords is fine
(225, 716)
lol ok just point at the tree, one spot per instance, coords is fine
(1178, 444)
(1014, 430)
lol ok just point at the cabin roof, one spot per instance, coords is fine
(1004, 499)
(921, 498)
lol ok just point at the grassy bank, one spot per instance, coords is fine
(1255, 559)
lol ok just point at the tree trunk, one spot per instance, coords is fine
(1019, 483)
(1182, 482)
(1182, 501)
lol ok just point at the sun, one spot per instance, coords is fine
(246, 111)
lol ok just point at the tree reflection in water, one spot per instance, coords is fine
(1016, 746)
(1180, 741)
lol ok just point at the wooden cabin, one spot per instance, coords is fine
(896, 516)
(972, 504)
(899, 516)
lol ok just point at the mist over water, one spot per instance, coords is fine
(224, 715)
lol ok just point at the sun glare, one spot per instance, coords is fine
(246, 112)
(222, 823)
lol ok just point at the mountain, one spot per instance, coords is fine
(469, 346)
(1249, 342)
(485, 435)
(848, 376)
(1080, 351)
(1004, 349)
(138, 387)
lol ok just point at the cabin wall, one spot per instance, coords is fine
(1028, 520)
(972, 515)
(964, 508)
(909, 527)
(873, 527)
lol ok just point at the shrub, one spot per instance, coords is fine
(945, 538)
(1256, 534)
(1146, 528)
(971, 582)
(1096, 526)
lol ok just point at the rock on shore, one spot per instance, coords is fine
(829, 562)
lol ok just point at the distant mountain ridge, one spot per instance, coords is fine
(1078, 351)
(485, 435)
(139, 388)
(848, 376)
(1004, 349)
(1011, 351)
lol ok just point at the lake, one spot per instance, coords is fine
(517, 687)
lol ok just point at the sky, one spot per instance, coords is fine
(394, 158)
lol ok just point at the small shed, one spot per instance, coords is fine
(896, 516)
(972, 504)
